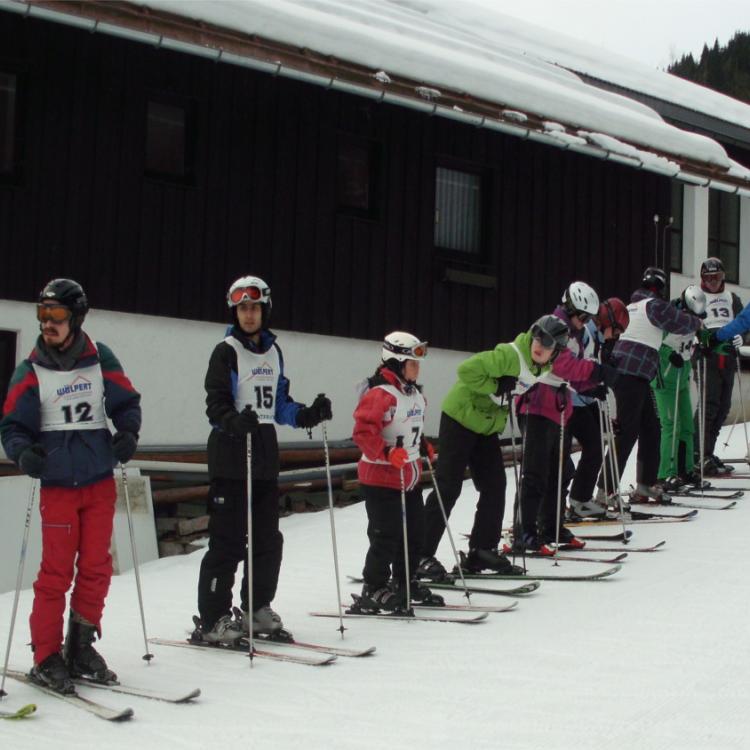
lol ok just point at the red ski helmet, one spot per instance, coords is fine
(613, 314)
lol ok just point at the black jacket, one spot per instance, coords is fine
(227, 453)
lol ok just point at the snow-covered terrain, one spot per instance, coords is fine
(654, 657)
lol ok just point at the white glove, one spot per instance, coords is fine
(738, 341)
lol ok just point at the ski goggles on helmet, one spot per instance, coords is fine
(418, 351)
(712, 276)
(53, 313)
(248, 294)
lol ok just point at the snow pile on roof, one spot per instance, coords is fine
(456, 46)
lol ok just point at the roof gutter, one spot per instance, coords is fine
(176, 33)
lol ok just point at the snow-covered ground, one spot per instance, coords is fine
(654, 657)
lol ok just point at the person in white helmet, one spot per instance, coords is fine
(247, 393)
(389, 430)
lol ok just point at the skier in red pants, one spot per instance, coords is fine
(54, 428)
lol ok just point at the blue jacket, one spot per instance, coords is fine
(74, 457)
(740, 325)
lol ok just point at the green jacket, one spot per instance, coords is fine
(469, 402)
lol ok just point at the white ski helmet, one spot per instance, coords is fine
(579, 297)
(401, 346)
(694, 299)
(249, 289)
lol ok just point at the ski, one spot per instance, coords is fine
(463, 607)
(696, 506)
(400, 616)
(20, 713)
(736, 495)
(116, 687)
(335, 650)
(637, 517)
(86, 704)
(242, 648)
(545, 576)
(605, 537)
(527, 588)
(571, 558)
(652, 548)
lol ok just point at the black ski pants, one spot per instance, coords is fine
(584, 427)
(539, 472)
(721, 372)
(385, 532)
(459, 448)
(637, 419)
(227, 547)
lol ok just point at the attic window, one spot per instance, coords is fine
(8, 109)
(356, 174)
(458, 210)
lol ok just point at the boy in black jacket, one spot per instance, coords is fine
(246, 393)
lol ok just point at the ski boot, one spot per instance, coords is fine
(225, 632)
(581, 510)
(721, 467)
(650, 495)
(53, 674)
(672, 484)
(431, 569)
(81, 658)
(692, 480)
(570, 540)
(373, 599)
(267, 625)
(488, 559)
(420, 594)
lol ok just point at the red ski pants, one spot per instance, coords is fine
(76, 531)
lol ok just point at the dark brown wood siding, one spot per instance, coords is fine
(262, 200)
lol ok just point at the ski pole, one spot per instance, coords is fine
(731, 432)
(448, 528)
(742, 405)
(250, 569)
(19, 579)
(409, 610)
(615, 464)
(518, 476)
(673, 457)
(562, 392)
(147, 656)
(702, 414)
(333, 527)
(602, 430)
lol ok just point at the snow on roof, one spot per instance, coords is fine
(461, 47)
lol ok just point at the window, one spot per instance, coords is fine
(168, 151)
(675, 231)
(8, 108)
(458, 210)
(724, 231)
(356, 176)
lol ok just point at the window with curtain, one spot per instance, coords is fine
(168, 145)
(8, 109)
(674, 241)
(724, 231)
(458, 210)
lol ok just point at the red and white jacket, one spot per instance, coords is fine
(389, 409)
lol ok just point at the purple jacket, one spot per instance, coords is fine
(642, 361)
(545, 401)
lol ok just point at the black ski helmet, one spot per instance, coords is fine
(552, 332)
(67, 293)
(655, 280)
(712, 265)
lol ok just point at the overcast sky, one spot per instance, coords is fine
(652, 31)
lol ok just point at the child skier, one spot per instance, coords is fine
(388, 428)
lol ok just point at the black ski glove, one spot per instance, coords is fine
(32, 460)
(599, 392)
(243, 423)
(676, 360)
(607, 374)
(123, 446)
(318, 411)
(505, 385)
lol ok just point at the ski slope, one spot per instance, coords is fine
(656, 656)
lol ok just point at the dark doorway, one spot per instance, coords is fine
(8, 341)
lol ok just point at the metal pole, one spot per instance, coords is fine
(559, 471)
(250, 567)
(147, 656)
(742, 404)
(400, 444)
(19, 579)
(614, 463)
(673, 457)
(448, 528)
(702, 413)
(518, 474)
(602, 430)
(333, 527)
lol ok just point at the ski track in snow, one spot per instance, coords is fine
(654, 657)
